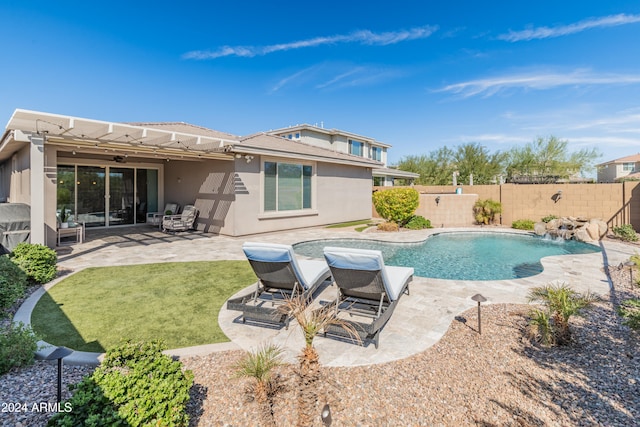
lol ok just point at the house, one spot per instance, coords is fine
(619, 169)
(108, 174)
(346, 142)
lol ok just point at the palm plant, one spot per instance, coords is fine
(562, 302)
(311, 322)
(259, 366)
(485, 211)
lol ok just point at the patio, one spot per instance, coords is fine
(419, 321)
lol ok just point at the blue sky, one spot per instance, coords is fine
(415, 74)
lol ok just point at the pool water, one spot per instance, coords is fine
(463, 256)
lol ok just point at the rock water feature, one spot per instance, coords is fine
(580, 229)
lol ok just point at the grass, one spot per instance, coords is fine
(179, 303)
(350, 224)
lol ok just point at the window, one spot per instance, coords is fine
(376, 153)
(355, 147)
(297, 135)
(378, 181)
(287, 186)
(628, 167)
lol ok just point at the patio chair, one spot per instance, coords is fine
(181, 222)
(280, 275)
(155, 218)
(367, 290)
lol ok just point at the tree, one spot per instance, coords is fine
(475, 159)
(311, 322)
(435, 169)
(547, 161)
(438, 167)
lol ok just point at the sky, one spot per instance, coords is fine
(418, 75)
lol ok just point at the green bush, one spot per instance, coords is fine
(397, 204)
(549, 218)
(626, 233)
(135, 385)
(418, 222)
(37, 261)
(523, 224)
(485, 211)
(630, 311)
(13, 283)
(17, 344)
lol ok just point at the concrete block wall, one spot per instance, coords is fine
(616, 204)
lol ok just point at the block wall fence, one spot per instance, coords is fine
(616, 204)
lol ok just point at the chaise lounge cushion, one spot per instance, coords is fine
(394, 278)
(307, 272)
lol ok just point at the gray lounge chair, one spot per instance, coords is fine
(280, 275)
(367, 289)
(181, 222)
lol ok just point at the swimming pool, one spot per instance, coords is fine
(463, 255)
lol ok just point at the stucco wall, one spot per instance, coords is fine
(209, 185)
(617, 203)
(341, 193)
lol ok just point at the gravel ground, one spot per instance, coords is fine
(495, 379)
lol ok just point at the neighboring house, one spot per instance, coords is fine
(108, 174)
(623, 168)
(350, 143)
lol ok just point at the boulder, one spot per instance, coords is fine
(540, 228)
(603, 228)
(593, 230)
(582, 235)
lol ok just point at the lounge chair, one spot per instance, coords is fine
(367, 289)
(181, 222)
(280, 275)
(155, 218)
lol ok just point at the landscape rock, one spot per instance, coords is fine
(581, 228)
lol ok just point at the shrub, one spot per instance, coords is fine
(485, 211)
(17, 344)
(625, 232)
(418, 222)
(37, 261)
(561, 303)
(630, 311)
(136, 384)
(397, 204)
(549, 218)
(388, 226)
(523, 224)
(13, 283)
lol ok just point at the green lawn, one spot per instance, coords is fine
(350, 223)
(176, 302)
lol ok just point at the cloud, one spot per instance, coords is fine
(363, 37)
(539, 81)
(297, 76)
(564, 30)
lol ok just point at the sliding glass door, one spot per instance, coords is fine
(90, 202)
(103, 196)
(121, 196)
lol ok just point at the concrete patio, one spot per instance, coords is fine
(418, 322)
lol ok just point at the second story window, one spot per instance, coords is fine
(376, 153)
(628, 167)
(355, 147)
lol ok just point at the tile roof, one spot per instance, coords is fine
(628, 159)
(285, 147)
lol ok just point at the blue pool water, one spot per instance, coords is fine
(463, 256)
